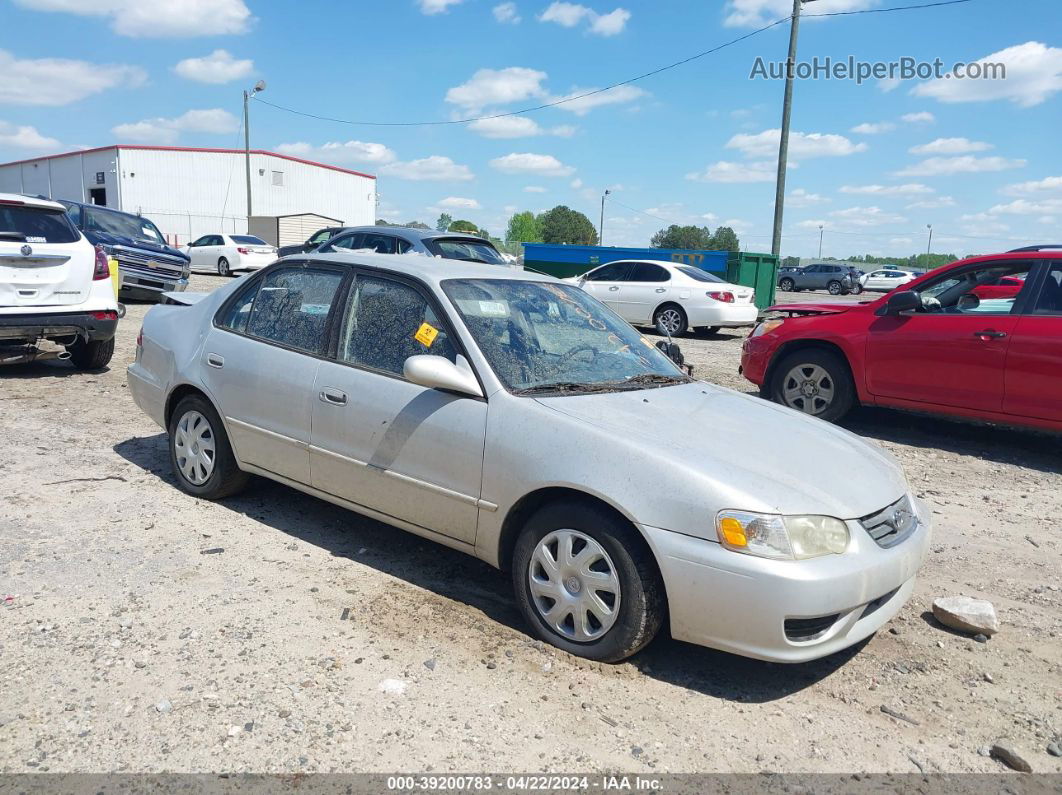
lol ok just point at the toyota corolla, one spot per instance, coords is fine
(515, 418)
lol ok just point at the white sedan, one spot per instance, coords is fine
(885, 280)
(669, 295)
(230, 253)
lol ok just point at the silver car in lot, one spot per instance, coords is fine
(515, 418)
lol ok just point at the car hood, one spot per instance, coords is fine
(812, 309)
(771, 457)
(142, 245)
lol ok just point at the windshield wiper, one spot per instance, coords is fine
(566, 387)
(12, 235)
(657, 378)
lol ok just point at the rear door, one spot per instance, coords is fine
(44, 260)
(647, 286)
(1034, 361)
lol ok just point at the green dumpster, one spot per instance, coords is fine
(758, 271)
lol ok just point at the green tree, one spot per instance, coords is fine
(464, 226)
(523, 228)
(443, 224)
(565, 225)
(382, 222)
(675, 236)
(415, 225)
(724, 239)
(791, 262)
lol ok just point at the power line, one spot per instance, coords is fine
(595, 91)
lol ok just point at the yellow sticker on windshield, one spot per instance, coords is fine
(426, 334)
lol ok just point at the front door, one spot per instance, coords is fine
(647, 286)
(1034, 361)
(260, 363)
(382, 442)
(606, 283)
(953, 351)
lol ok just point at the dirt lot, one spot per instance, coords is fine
(150, 631)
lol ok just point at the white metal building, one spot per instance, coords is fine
(194, 192)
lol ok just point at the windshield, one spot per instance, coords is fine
(248, 239)
(465, 248)
(122, 225)
(542, 337)
(699, 275)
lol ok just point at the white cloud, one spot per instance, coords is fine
(756, 13)
(1047, 184)
(866, 216)
(932, 204)
(950, 146)
(60, 81)
(341, 152)
(801, 198)
(517, 127)
(166, 131)
(911, 189)
(577, 183)
(613, 96)
(967, 164)
(434, 168)
(459, 203)
(436, 6)
(506, 13)
(873, 128)
(529, 163)
(1026, 207)
(569, 15)
(169, 19)
(1033, 73)
(497, 87)
(24, 137)
(724, 171)
(534, 189)
(218, 67)
(922, 117)
(801, 145)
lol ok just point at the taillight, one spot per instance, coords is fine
(726, 298)
(140, 338)
(243, 250)
(102, 270)
(106, 314)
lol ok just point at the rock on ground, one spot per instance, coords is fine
(1008, 755)
(966, 614)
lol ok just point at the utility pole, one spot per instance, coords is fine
(929, 245)
(783, 141)
(820, 241)
(259, 86)
(601, 226)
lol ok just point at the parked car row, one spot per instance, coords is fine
(842, 279)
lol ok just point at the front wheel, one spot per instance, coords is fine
(200, 453)
(834, 288)
(786, 285)
(586, 582)
(857, 289)
(814, 381)
(670, 320)
(223, 267)
(93, 355)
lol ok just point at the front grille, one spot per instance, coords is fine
(166, 266)
(804, 629)
(891, 525)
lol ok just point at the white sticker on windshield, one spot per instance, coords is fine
(493, 309)
(35, 239)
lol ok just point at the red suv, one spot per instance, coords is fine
(979, 338)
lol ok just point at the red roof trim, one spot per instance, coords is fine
(192, 149)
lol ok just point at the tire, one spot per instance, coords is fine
(708, 329)
(834, 287)
(223, 267)
(857, 289)
(826, 371)
(91, 355)
(638, 606)
(786, 285)
(223, 477)
(670, 320)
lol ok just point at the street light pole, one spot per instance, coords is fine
(783, 140)
(601, 226)
(929, 245)
(259, 86)
(820, 241)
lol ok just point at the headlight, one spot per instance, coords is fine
(783, 537)
(765, 326)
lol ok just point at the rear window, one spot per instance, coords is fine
(698, 274)
(463, 248)
(250, 240)
(35, 225)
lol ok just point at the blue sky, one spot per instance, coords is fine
(873, 163)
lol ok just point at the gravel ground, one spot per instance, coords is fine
(149, 631)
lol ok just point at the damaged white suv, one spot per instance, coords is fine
(53, 286)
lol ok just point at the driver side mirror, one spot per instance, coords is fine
(436, 372)
(903, 301)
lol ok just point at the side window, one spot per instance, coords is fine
(235, 317)
(977, 292)
(321, 236)
(200, 242)
(381, 244)
(648, 272)
(404, 246)
(347, 243)
(1050, 300)
(613, 272)
(74, 211)
(292, 306)
(217, 240)
(811, 269)
(386, 322)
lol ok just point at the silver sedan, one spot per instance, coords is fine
(515, 418)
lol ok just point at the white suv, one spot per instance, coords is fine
(53, 285)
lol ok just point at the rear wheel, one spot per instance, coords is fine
(786, 285)
(200, 453)
(223, 267)
(670, 320)
(857, 288)
(586, 582)
(93, 355)
(814, 381)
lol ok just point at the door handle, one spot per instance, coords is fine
(215, 361)
(661, 290)
(990, 334)
(613, 288)
(333, 396)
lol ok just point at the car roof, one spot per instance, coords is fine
(428, 269)
(31, 201)
(410, 232)
(663, 262)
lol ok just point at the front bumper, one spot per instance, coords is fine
(93, 326)
(741, 604)
(755, 358)
(137, 286)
